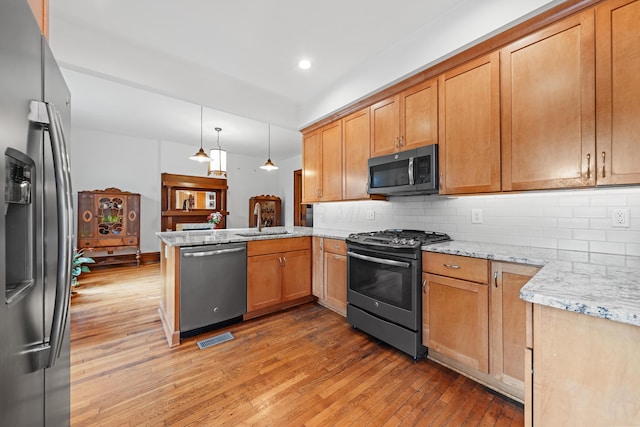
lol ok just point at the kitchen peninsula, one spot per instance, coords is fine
(276, 263)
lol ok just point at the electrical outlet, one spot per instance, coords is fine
(476, 216)
(620, 217)
(371, 214)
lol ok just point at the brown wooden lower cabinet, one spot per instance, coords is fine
(330, 273)
(278, 274)
(474, 322)
(455, 315)
(508, 321)
(585, 370)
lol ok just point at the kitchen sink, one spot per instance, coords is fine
(263, 233)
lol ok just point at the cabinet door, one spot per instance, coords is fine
(132, 215)
(311, 167)
(331, 175)
(385, 126)
(335, 281)
(548, 107)
(419, 115)
(317, 279)
(457, 322)
(469, 117)
(263, 281)
(86, 216)
(508, 322)
(617, 92)
(296, 274)
(355, 148)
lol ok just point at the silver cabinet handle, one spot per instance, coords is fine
(211, 253)
(452, 266)
(380, 260)
(495, 278)
(424, 286)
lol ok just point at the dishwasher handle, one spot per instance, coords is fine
(211, 253)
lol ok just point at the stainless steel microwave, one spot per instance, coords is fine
(406, 173)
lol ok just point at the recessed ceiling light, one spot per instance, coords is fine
(305, 64)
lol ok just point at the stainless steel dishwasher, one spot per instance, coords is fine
(213, 285)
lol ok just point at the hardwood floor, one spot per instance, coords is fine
(305, 366)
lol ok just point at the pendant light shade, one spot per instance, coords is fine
(200, 156)
(218, 160)
(268, 165)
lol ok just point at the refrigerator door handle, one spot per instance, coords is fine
(65, 232)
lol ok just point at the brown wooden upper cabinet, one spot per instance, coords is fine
(355, 155)
(469, 114)
(548, 107)
(618, 92)
(322, 160)
(406, 120)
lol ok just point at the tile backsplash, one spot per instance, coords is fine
(580, 220)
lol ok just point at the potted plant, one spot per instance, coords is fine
(78, 266)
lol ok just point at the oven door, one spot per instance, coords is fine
(385, 284)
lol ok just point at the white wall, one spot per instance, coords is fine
(100, 160)
(564, 219)
(466, 23)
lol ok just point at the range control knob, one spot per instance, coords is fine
(411, 242)
(403, 241)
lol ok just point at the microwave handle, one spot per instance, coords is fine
(411, 179)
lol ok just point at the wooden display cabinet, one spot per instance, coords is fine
(109, 223)
(270, 214)
(190, 199)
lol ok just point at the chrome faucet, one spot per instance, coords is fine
(258, 211)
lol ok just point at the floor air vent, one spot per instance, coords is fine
(210, 342)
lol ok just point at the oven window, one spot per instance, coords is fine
(384, 283)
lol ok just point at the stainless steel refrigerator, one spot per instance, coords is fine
(36, 249)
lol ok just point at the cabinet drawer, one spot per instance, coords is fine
(132, 241)
(459, 267)
(273, 246)
(86, 243)
(335, 246)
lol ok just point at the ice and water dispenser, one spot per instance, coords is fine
(19, 224)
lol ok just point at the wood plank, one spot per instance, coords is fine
(302, 366)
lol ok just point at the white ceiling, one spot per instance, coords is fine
(145, 67)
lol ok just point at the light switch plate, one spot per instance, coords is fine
(371, 214)
(476, 216)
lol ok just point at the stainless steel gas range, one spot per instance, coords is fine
(383, 285)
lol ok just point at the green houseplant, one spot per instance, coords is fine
(78, 266)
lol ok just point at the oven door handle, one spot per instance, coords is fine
(380, 260)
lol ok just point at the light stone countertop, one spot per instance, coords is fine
(595, 284)
(600, 285)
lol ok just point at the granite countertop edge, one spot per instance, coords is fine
(600, 285)
(200, 237)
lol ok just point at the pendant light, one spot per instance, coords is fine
(269, 166)
(218, 163)
(200, 156)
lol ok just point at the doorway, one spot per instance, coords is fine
(302, 213)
